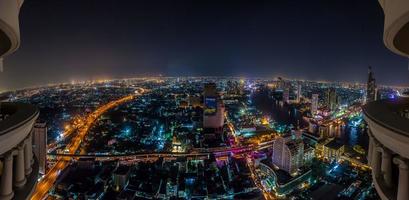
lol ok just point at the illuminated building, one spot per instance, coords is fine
(288, 154)
(323, 131)
(371, 87)
(280, 83)
(213, 112)
(314, 104)
(332, 100)
(333, 150)
(275, 180)
(309, 155)
(176, 145)
(286, 95)
(195, 101)
(298, 93)
(40, 145)
(18, 168)
(388, 152)
(120, 177)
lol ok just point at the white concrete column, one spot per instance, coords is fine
(371, 146)
(6, 183)
(387, 166)
(403, 187)
(19, 175)
(28, 156)
(376, 162)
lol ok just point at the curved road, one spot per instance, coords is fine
(47, 182)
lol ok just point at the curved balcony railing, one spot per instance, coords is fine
(16, 125)
(388, 152)
(19, 169)
(14, 115)
(388, 113)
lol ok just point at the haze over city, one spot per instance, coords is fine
(204, 100)
(86, 40)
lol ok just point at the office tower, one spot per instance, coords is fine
(213, 113)
(298, 93)
(40, 145)
(280, 84)
(332, 100)
(286, 95)
(371, 86)
(288, 154)
(314, 104)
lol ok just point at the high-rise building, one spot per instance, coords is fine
(40, 145)
(332, 100)
(213, 109)
(371, 86)
(280, 83)
(298, 92)
(288, 154)
(286, 95)
(314, 104)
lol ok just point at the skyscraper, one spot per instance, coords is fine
(286, 95)
(40, 145)
(314, 104)
(371, 86)
(298, 92)
(288, 153)
(213, 114)
(332, 100)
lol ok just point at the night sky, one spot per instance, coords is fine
(64, 40)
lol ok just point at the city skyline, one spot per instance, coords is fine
(109, 40)
(204, 100)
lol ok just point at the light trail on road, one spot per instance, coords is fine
(45, 184)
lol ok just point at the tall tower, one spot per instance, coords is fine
(213, 114)
(314, 104)
(298, 93)
(288, 153)
(332, 103)
(286, 95)
(371, 86)
(40, 145)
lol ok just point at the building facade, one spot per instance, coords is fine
(314, 104)
(288, 154)
(18, 166)
(370, 86)
(388, 128)
(332, 100)
(213, 109)
(299, 94)
(40, 145)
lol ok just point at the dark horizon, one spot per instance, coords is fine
(317, 40)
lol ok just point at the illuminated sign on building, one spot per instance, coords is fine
(210, 106)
